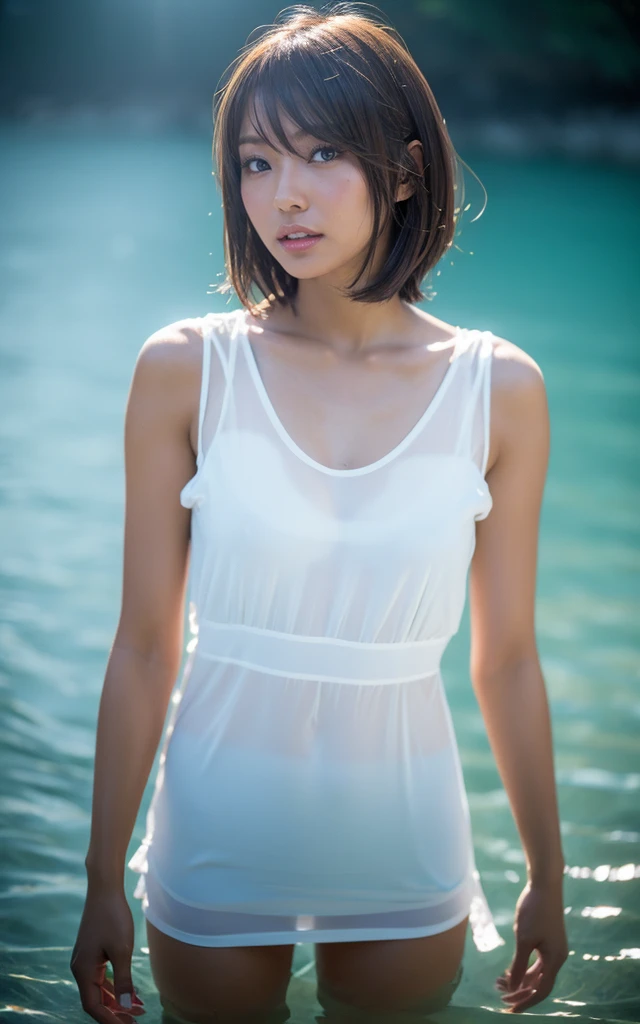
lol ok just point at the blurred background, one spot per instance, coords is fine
(111, 227)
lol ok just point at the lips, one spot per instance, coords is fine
(297, 230)
(300, 243)
(298, 238)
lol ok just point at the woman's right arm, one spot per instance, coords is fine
(160, 423)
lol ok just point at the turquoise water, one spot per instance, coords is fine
(105, 239)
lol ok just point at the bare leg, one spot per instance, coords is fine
(395, 975)
(205, 985)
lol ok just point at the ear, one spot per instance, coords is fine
(407, 185)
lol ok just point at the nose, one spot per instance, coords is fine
(289, 193)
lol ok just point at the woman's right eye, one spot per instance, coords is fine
(253, 160)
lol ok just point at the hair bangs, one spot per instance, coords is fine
(319, 93)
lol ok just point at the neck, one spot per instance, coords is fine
(336, 322)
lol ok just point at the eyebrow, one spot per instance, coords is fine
(257, 140)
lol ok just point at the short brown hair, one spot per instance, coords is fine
(351, 82)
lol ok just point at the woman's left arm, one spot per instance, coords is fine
(505, 668)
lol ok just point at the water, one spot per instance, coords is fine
(106, 238)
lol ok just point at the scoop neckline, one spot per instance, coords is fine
(297, 450)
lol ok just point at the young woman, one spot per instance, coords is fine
(329, 461)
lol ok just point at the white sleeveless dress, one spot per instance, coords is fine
(309, 787)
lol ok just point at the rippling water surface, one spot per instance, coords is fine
(106, 238)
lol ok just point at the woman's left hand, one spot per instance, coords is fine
(539, 925)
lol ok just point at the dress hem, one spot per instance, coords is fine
(311, 935)
(481, 924)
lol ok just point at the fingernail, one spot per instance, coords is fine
(125, 1000)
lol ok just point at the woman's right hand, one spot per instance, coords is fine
(106, 934)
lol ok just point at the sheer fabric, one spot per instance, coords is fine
(310, 786)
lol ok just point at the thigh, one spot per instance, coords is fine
(391, 974)
(200, 982)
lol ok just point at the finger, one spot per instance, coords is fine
(530, 976)
(110, 998)
(91, 1000)
(526, 986)
(537, 994)
(519, 965)
(122, 980)
(502, 983)
(529, 984)
(514, 998)
(531, 1000)
(110, 1001)
(550, 964)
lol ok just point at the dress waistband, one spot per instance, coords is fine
(319, 658)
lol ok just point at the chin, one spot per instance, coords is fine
(307, 269)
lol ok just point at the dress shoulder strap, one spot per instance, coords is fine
(473, 435)
(487, 363)
(217, 333)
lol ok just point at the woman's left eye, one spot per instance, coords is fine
(326, 149)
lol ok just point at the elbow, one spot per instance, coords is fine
(156, 648)
(503, 664)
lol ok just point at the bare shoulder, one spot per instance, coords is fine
(519, 406)
(173, 349)
(516, 376)
(168, 374)
(514, 370)
(165, 388)
(177, 347)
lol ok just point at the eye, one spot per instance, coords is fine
(323, 150)
(254, 160)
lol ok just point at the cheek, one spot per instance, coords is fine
(254, 202)
(247, 198)
(350, 193)
(352, 183)
(351, 198)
